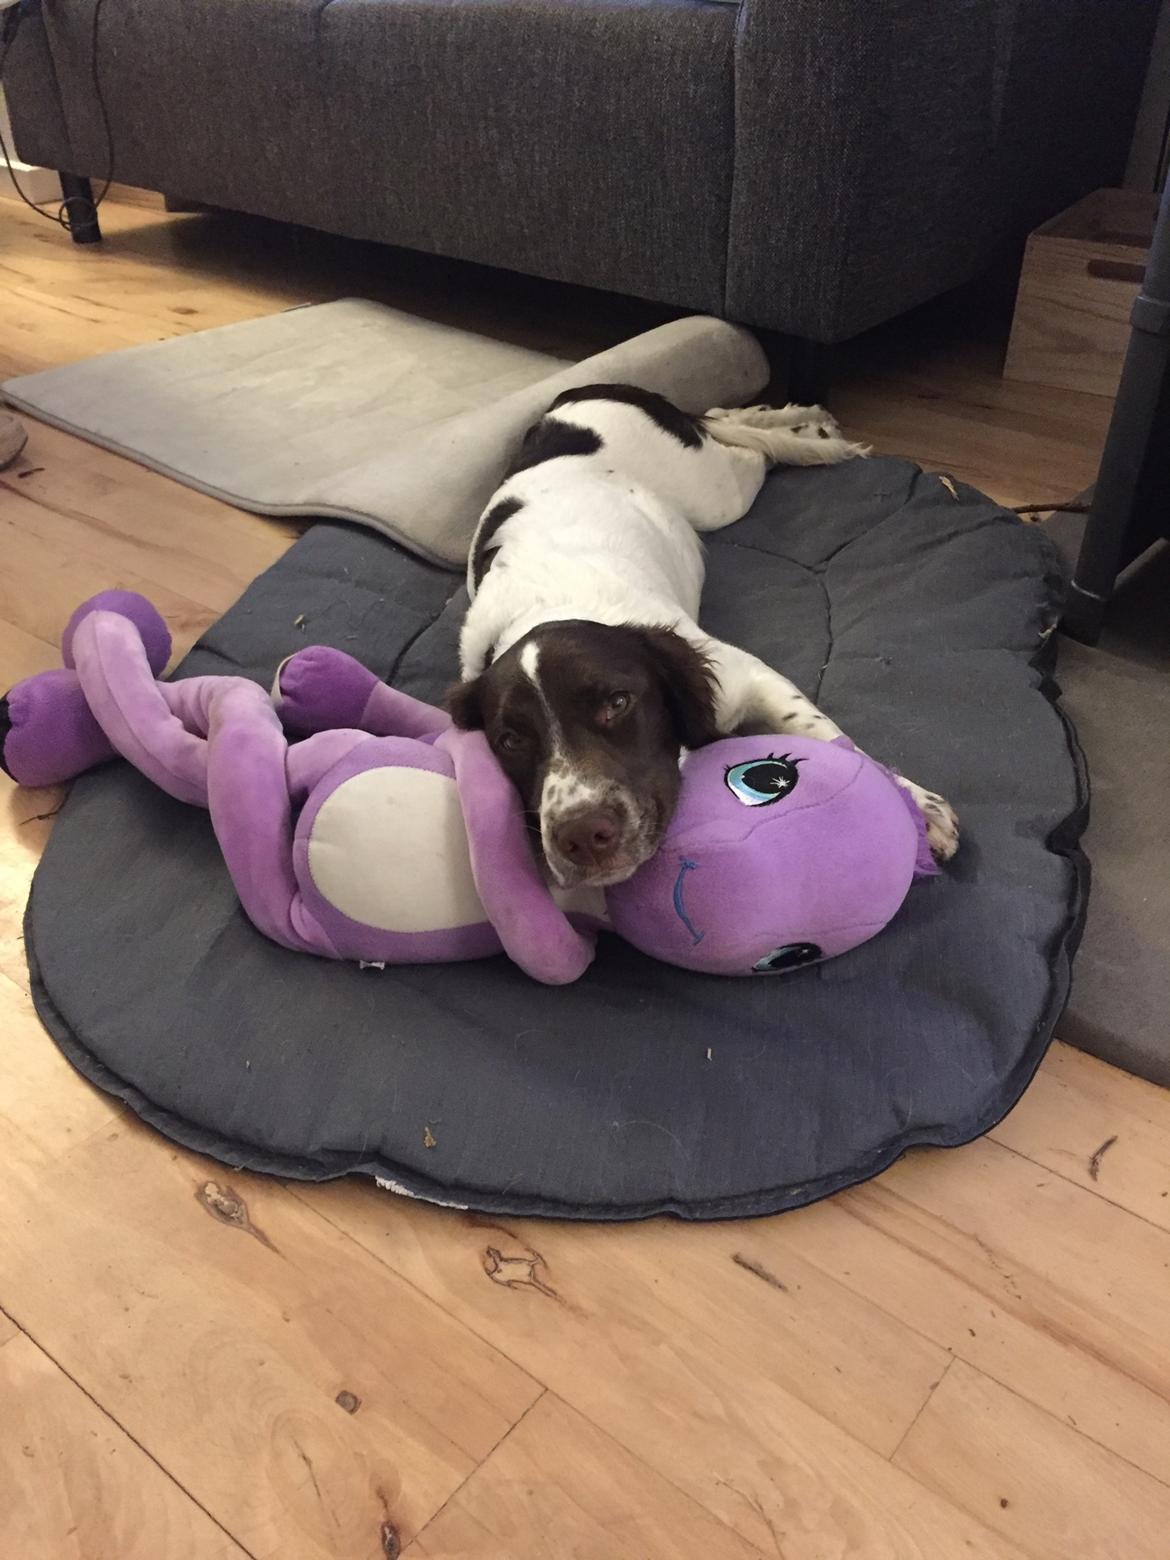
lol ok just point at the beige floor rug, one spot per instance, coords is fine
(361, 412)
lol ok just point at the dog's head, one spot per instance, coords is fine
(588, 721)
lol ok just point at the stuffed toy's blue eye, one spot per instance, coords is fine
(790, 957)
(762, 780)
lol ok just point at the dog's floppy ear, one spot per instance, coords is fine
(688, 686)
(465, 705)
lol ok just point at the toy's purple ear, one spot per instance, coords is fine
(536, 934)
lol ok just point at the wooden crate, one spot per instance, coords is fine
(1080, 277)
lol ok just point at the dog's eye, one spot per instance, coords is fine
(615, 706)
(509, 741)
(762, 780)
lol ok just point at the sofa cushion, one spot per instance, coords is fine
(585, 140)
(198, 96)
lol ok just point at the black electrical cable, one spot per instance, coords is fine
(88, 207)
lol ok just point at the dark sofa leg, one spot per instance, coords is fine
(777, 349)
(800, 369)
(82, 213)
(810, 372)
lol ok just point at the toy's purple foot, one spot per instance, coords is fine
(320, 689)
(156, 636)
(47, 733)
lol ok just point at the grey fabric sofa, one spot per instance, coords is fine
(811, 166)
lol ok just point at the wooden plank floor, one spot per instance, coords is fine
(967, 1357)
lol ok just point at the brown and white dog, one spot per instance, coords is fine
(581, 654)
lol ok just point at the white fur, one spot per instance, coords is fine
(565, 790)
(530, 664)
(613, 538)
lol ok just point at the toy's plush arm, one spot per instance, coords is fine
(536, 934)
(321, 689)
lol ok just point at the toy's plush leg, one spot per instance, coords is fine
(211, 741)
(47, 732)
(146, 618)
(223, 737)
(320, 689)
(133, 709)
(163, 729)
(251, 811)
(219, 742)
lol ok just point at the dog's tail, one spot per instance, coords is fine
(784, 436)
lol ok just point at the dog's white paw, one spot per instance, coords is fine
(815, 423)
(789, 416)
(819, 449)
(942, 823)
(810, 425)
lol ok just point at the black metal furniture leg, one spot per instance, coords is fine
(1083, 617)
(800, 369)
(1128, 512)
(777, 350)
(82, 213)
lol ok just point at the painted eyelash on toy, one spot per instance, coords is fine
(735, 778)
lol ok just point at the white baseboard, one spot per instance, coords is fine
(39, 184)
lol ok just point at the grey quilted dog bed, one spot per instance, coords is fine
(921, 621)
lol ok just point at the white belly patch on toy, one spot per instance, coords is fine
(389, 849)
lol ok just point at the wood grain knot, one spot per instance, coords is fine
(525, 1271)
(226, 1205)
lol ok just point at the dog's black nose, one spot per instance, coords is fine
(588, 839)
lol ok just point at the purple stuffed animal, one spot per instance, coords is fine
(386, 836)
